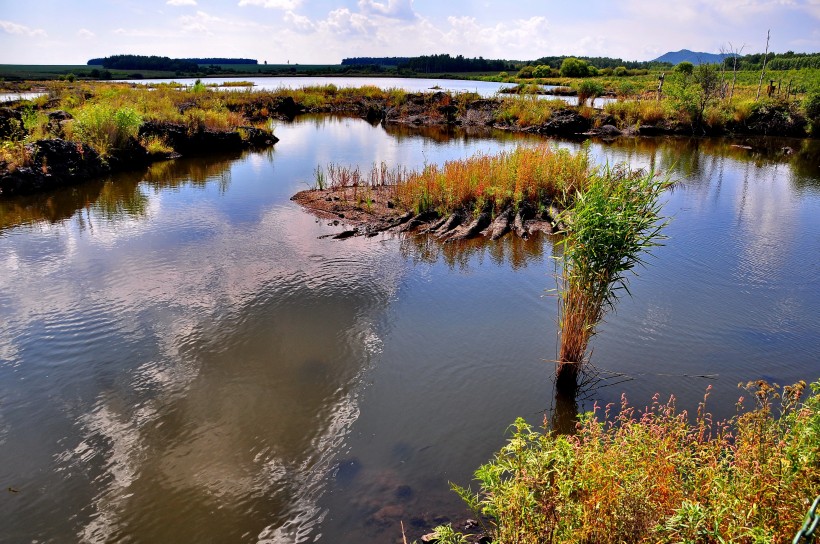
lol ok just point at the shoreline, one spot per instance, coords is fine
(52, 161)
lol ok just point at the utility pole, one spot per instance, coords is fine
(763, 71)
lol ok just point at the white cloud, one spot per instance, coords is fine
(201, 22)
(85, 34)
(181, 2)
(395, 9)
(275, 4)
(343, 22)
(21, 30)
(299, 22)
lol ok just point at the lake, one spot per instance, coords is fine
(416, 85)
(184, 359)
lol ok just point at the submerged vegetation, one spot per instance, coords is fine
(654, 476)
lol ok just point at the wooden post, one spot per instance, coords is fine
(660, 84)
(763, 71)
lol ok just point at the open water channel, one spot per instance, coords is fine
(183, 359)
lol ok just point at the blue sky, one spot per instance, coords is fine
(325, 31)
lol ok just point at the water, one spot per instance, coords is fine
(182, 359)
(483, 88)
(12, 97)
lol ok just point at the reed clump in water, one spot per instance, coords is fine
(613, 223)
(534, 176)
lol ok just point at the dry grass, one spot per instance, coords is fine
(528, 110)
(636, 112)
(534, 176)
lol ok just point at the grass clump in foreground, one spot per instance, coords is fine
(651, 476)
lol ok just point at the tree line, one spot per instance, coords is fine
(153, 62)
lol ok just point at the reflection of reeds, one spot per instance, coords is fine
(611, 225)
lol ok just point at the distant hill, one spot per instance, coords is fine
(695, 57)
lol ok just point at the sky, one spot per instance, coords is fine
(326, 31)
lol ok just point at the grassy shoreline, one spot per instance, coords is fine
(656, 475)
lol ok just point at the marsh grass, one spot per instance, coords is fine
(612, 224)
(654, 476)
(636, 112)
(104, 128)
(528, 110)
(533, 176)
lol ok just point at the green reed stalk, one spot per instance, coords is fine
(613, 223)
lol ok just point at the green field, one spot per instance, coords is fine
(17, 72)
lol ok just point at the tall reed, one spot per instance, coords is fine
(613, 223)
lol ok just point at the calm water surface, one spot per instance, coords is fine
(416, 85)
(182, 359)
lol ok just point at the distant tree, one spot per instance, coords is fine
(693, 93)
(542, 70)
(620, 71)
(526, 72)
(572, 67)
(140, 62)
(685, 68)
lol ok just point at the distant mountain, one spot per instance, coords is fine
(695, 57)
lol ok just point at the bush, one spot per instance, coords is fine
(811, 107)
(653, 476)
(685, 68)
(542, 70)
(589, 89)
(526, 72)
(104, 128)
(572, 67)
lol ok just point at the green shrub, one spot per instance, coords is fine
(811, 107)
(572, 67)
(526, 72)
(685, 67)
(653, 476)
(104, 128)
(587, 89)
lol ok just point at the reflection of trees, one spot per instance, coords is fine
(458, 254)
(446, 134)
(806, 166)
(52, 207)
(194, 171)
(699, 160)
(121, 198)
(118, 196)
